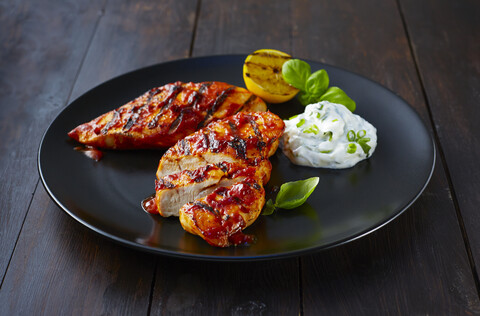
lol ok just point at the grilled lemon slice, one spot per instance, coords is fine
(262, 73)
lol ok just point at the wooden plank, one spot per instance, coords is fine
(42, 46)
(250, 288)
(226, 288)
(58, 266)
(445, 39)
(417, 264)
(62, 268)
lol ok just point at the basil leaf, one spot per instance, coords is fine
(336, 95)
(317, 83)
(306, 98)
(268, 208)
(294, 194)
(296, 73)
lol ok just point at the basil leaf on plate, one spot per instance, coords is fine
(294, 194)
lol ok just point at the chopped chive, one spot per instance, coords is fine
(361, 133)
(312, 129)
(352, 148)
(326, 151)
(335, 120)
(291, 118)
(329, 134)
(302, 121)
(351, 135)
(318, 115)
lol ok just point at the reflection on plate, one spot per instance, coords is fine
(105, 196)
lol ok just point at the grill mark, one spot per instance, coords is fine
(240, 146)
(264, 54)
(175, 123)
(161, 183)
(184, 147)
(116, 116)
(250, 99)
(260, 144)
(207, 207)
(256, 186)
(165, 104)
(218, 101)
(232, 126)
(134, 113)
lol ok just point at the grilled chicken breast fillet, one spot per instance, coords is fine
(175, 190)
(163, 115)
(218, 174)
(220, 217)
(247, 137)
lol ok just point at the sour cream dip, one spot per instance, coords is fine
(328, 135)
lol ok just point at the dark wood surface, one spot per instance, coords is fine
(424, 262)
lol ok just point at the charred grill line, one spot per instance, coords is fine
(206, 207)
(116, 116)
(175, 123)
(260, 143)
(165, 104)
(250, 99)
(218, 101)
(240, 146)
(185, 147)
(163, 183)
(134, 113)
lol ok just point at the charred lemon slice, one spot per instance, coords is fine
(262, 73)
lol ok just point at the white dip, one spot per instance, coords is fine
(328, 135)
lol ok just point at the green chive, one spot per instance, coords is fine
(302, 121)
(335, 120)
(326, 151)
(329, 134)
(352, 148)
(351, 135)
(361, 133)
(293, 117)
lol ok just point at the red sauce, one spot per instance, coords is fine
(90, 152)
(149, 205)
(240, 238)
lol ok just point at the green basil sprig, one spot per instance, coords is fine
(314, 87)
(291, 195)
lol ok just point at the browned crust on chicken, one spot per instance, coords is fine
(163, 115)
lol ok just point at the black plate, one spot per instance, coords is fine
(347, 204)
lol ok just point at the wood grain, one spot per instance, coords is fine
(42, 46)
(445, 39)
(60, 267)
(225, 288)
(370, 275)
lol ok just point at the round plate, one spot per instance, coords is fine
(347, 204)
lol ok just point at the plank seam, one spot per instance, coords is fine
(19, 233)
(152, 288)
(38, 180)
(442, 156)
(195, 24)
(300, 285)
(95, 28)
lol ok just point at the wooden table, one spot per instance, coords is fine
(424, 262)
